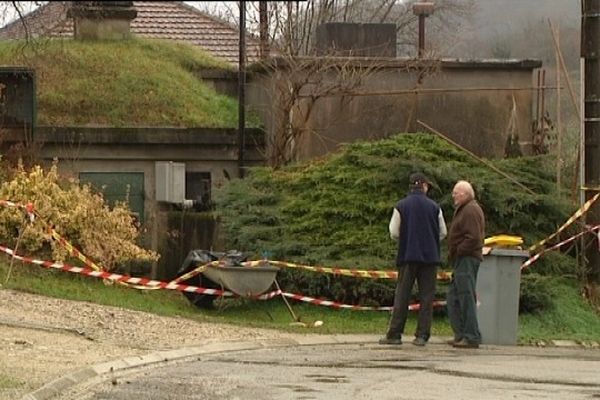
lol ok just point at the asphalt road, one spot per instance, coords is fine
(363, 371)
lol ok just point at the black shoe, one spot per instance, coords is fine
(465, 344)
(452, 341)
(387, 340)
(419, 341)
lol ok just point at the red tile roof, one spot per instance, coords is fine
(171, 20)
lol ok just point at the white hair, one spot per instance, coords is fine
(465, 187)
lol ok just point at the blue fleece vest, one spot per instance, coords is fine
(419, 230)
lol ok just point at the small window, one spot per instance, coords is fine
(197, 187)
(119, 186)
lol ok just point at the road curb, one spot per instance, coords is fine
(59, 385)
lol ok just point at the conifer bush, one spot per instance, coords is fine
(106, 235)
(335, 211)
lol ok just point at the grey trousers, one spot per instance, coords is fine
(461, 300)
(425, 275)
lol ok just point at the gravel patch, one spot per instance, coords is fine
(43, 338)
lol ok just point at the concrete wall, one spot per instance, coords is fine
(476, 119)
(222, 81)
(135, 150)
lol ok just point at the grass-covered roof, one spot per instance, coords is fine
(137, 82)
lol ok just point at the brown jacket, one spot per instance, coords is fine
(466, 232)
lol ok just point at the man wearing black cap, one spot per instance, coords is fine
(418, 225)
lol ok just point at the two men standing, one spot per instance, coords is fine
(418, 225)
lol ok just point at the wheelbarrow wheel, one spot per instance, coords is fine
(202, 301)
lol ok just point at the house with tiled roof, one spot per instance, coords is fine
(170, 20)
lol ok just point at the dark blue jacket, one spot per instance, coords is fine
(419, 230)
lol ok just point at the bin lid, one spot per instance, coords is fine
(503, 240)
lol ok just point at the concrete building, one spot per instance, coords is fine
(471, 101)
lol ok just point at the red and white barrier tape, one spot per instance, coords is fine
(534, 258)
(195, 289)
(334, 304)
(96, 271)
(30, 211)
(322, 302)
(582, 210)
(356, 273)
(117, 277)
(372, 274)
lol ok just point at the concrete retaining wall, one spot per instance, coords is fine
(470, 101)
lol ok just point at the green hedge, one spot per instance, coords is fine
(335, 211)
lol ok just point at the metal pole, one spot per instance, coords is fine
(543, 101)
(581, 155)
(241, 90)
(580, 167)
(590, 50)
(294, 316)
(537, 101)
(421, 35)
(558, 119)
(264, 29)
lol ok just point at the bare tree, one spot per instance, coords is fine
(299, 86)
(16, 12)
(292, 24)
(297, 81)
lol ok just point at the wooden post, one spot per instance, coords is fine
(590, 48)
(481, 160)
(578, 169)
(242, 90)
(559, 160)
(263, 29)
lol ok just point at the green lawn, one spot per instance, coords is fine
(571, 318)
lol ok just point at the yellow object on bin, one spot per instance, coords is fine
(503, 241)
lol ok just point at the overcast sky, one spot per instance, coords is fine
(491, 12)
(9, 14)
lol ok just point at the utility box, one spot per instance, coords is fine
(170, 181)
(498, 285)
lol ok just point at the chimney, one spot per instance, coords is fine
(101, 20)
(347, 39)
(422, 9)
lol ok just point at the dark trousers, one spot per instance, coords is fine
(461, 300)
(425, 275)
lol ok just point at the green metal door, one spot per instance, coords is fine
(119, 186)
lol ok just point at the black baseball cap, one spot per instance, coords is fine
(417, 179)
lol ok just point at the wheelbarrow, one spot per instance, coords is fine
(243, 281)
(230, 275)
